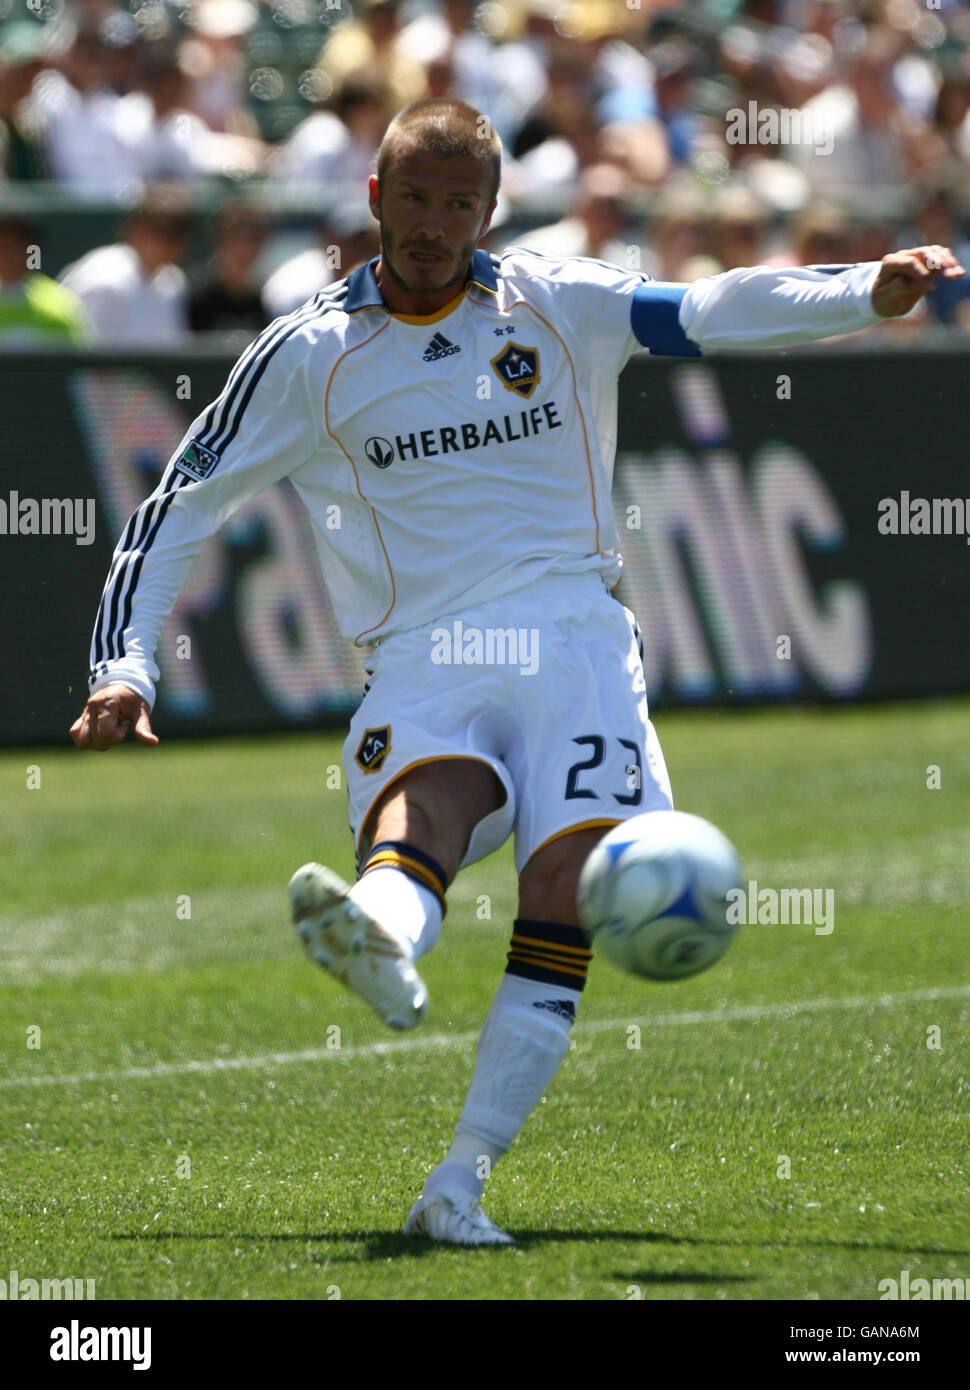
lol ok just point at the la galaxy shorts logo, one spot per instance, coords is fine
(374, 748)
(517, 369)
(196, 461)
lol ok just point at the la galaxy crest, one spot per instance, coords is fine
(374, 748)
(517, 368)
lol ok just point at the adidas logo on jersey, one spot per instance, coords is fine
(440, 347)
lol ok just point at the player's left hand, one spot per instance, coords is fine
(905, 276)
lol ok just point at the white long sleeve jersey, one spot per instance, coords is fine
(446, 460)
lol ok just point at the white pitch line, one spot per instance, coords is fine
(742, 1014)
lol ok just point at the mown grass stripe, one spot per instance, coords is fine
(744, 1013)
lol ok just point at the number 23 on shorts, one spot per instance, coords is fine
(621, 783)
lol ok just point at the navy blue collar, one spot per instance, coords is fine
(363, 291)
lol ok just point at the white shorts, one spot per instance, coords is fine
(545, 686)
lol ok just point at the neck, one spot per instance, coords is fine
(416, 303)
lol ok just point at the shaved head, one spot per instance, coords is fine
(448, 129)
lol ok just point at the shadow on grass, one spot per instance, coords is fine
(679, 1276)
(384, 1245)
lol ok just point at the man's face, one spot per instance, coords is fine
(13, 254)
(159, 241)
(431, 212)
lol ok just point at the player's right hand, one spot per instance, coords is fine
(107, 717)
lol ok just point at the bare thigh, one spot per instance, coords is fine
(435, 807)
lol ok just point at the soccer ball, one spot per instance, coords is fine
(654, 894)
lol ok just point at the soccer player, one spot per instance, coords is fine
(460, 408)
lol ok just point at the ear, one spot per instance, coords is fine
(488, 220)
(374, 196)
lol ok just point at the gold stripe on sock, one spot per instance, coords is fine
(533, 943)
(574, 967)
(523, 959)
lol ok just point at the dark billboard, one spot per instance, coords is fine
(792, 527)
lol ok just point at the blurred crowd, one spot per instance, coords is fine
(675, 138)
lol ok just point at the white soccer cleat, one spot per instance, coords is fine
(347, 941)
(453, 1217)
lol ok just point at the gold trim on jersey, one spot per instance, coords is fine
(449, 308)
(605, 823)
(377, 524)
(419, 762)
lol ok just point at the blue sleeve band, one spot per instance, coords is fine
(655, 322)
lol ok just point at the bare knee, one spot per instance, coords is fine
(547, 884)
(435, 807)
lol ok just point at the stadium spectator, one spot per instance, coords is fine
(135, 291)
(739, 225)
(440, 75)
(225, 297)
(630, 130)
(781, 60)
(79, 119)
(872, 238)
(597, 223)
(22, 48)
(445, 40)
(560, 136)
(368, 42)
(936, 221)
(215, 60)
(606, 37)
(867, 138)
(339, 145)
(33, 308)
(951, 126)
(122, 39)
(345, 238)
(168, 140)
(517, 66)
(821, 235)
(680, 235)
(674, 65)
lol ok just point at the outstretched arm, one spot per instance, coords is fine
(260, 429)
(763, 307)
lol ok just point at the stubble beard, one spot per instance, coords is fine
(387, 262)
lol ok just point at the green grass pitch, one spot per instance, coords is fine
(192, 1110)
